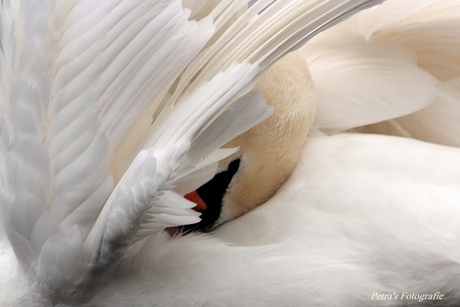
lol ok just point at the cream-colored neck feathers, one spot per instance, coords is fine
(270, 151)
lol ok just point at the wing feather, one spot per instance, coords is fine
(371, 81)
(438, 122)
(432, 34)
(429, 31)
(23, 105)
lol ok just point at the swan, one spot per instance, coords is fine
(332, 234)
(111, 112)
(370, 215)
(371, 74)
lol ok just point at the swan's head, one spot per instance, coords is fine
(268, 152)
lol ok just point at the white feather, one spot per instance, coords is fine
(432, 36)
(361, 82)
(438, 122)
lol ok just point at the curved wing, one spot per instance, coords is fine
(76, 75)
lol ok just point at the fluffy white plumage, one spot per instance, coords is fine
(87, 180)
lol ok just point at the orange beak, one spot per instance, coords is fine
(194, 197)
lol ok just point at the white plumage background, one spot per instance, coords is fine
(112, 111)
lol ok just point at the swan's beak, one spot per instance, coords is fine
(209, 199)
(196, 198)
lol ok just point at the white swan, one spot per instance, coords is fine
(109, 116)
(366, 220)
(378, 72)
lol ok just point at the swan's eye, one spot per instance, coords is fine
(212, 194)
